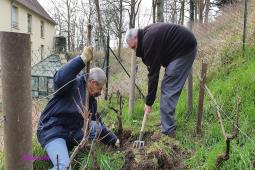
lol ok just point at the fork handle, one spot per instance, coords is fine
(143, 124)
(141, 136)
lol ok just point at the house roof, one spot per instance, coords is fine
(36, 7)
(47, 67)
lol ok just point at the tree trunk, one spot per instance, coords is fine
(191, 13)
(154, 4)
(73, 34)
(132, 14)
(160, 10)
(120, 30)
(134, 7)
(207, 8)
(82, 35)
(174, 13)
(201, 10)
(99, 22)
(190, 78)
(181, 20)
(68, 24)
(196, 10)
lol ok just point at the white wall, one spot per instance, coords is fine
(36, 39)
(5, 15)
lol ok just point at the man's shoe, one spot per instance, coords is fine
(171, 134)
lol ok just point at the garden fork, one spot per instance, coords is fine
(140, 143)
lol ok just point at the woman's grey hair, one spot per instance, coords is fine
(98, 75)
(131, 33)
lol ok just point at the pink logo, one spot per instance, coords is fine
(34, 158)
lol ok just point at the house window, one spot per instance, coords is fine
(50, 85)
(42, 29)
(43, 86)
(29, 23)
(35, 86)
(14, 17)
(42, 51)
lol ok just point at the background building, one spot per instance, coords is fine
(28, 16)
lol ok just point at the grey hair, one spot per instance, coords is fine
(131, 33)
(97, 74)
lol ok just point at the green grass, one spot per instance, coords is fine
(235, 78)
(105, 158)
(38, 151)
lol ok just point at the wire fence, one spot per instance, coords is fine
(225, 32)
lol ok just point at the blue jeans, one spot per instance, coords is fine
(58, 147)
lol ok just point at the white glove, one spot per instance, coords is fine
(117, 144)
(87, 54)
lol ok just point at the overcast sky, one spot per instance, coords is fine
(44, 3)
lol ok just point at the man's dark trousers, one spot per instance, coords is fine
(174, 79)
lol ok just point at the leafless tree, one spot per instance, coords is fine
(120, 27)
(88, 16)
(207, 8)
(160, 10)
(154, 5)
(171, 11)
(117, 23)
(71, 8)
(99, 22)
(65, 13)
(182, 11)
(132, 6)
(202, 8)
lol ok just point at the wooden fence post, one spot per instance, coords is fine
(107, 54)
(15, 54)
(201, 98)
(132, 85)
(245, 24)
(190, 92)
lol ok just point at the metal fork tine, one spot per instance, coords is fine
(135, 144)
(142, 144)
(138, 144)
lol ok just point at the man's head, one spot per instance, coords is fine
(97, 79)
(131, 38)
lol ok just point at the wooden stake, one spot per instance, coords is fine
(201, 98)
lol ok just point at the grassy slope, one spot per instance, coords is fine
(237, 78)
(234, 79)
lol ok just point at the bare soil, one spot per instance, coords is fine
(152, 158)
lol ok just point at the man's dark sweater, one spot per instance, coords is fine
(158, 45)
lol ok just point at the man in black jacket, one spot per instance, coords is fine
(173, 47)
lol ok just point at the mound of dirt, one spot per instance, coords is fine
(159, 152)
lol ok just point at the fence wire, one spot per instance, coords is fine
(212, 38)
